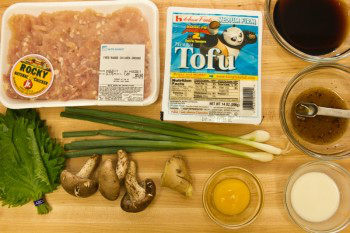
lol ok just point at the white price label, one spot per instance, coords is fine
(122, 68)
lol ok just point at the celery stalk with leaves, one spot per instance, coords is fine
(30, 161)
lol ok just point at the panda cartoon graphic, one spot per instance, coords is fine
(228, 43)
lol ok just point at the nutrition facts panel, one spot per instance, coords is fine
(204, 89)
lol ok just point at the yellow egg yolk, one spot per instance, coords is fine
(231, 196)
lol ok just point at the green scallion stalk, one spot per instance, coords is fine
(87, 144)
(135, 119)
(265, 147)
(261, 146)
(113, 133)
(136, 135)
(258, 135)
(128, 125)
(111, 150)
(86, 133)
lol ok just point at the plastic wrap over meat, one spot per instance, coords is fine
(71, 40)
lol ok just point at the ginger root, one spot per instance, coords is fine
(176, 176)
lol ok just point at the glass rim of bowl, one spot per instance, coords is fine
(290, 48)
(261, 204)
(303, 166)
(283, 120)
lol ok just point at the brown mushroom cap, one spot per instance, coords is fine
(129, 205)
(80, 185)
(76, 186)
(108, 181)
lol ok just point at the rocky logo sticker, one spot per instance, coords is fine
(32, 75)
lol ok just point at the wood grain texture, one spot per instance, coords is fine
(170, 212)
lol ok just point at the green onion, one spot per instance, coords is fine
(261, 146)
(138, 135)
(135, 119)
(87, 144)
(257, 136)
(110, 150)
(265, 147)
(71, 134)
(159, 135)
(128, 125)
(113, 133)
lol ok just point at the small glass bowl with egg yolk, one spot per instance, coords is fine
(233, 197)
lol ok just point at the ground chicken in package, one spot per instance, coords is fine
(213, 66)
(80, 53)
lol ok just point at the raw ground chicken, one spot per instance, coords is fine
(71, 40)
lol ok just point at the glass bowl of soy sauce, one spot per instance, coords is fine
(314, 30)
(323, 137)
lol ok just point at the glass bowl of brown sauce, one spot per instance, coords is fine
(314, 30)
(326, 85)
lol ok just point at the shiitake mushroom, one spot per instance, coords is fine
(137, 196)
(80, 184)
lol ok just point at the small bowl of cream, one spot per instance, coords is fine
(317, 197)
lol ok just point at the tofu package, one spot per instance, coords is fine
(79, 53)
(213, 66)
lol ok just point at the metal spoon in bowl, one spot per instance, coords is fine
(303, 109)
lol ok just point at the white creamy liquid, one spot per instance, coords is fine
(315, 196)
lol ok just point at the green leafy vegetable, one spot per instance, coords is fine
(30, 161)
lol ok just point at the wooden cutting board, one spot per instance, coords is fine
(170, 212)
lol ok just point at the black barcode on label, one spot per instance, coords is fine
(248, 98)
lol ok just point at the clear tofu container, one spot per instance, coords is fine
(128, 94)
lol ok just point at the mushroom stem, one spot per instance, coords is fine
(89, 166)
(133, 188)
(122, 164)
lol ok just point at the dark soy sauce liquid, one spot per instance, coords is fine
(315, 27)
